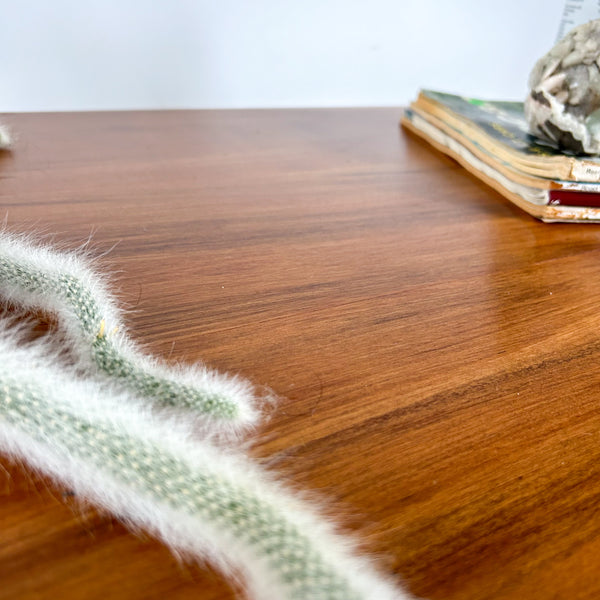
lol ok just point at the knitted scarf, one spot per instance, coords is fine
(156, 445)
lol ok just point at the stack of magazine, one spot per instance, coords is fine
(491, 140)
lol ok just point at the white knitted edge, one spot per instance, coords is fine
(20, 249)
(182, 532)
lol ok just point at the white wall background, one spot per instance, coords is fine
(129, 54)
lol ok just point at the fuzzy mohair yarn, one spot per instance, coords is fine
(38, 277)
(115, 427)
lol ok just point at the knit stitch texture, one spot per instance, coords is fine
(102, 437)
(62, 283)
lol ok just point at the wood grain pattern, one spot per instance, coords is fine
(435, 350)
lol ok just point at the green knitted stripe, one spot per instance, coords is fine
(82, 302)
(104, 352)
(154, 472)
(170, 393)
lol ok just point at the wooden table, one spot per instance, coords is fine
(436, 351)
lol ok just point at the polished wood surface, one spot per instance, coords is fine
(435, 350)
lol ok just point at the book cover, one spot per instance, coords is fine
(500, 128)
(545, 204)
(503, 166)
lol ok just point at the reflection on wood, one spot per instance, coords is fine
(434, 350)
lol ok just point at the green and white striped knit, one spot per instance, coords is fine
(61, 283)
(101, 436)
(197, 497)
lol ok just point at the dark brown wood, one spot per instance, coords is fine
(435, 350)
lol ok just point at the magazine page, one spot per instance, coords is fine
(502, 120)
